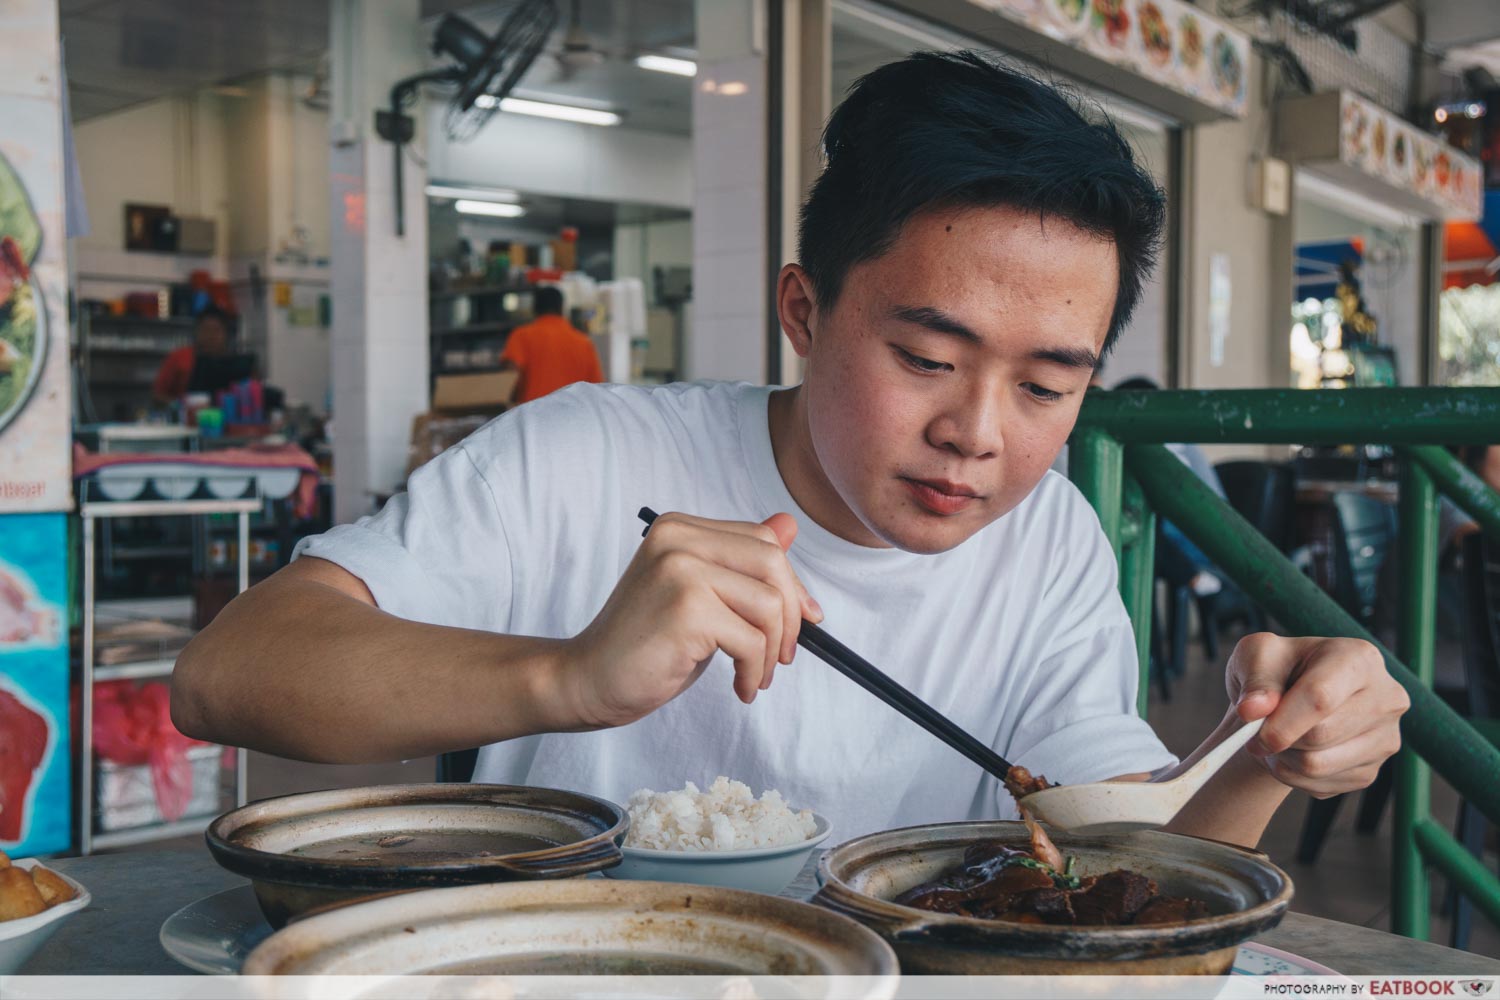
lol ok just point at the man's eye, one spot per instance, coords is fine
(921, 364)
(1046, 395)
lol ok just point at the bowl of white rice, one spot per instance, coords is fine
(722, 836)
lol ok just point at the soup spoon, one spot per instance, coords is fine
(1103, 807)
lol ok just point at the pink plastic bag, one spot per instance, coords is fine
(133, 725)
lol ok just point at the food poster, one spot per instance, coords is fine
(1383, 145)
(35, 770)
(1168, 42)
(35, 405)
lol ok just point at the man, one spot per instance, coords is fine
(548, 352)
(210, 340)
(967, 256)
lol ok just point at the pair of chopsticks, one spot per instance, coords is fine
(853, 666)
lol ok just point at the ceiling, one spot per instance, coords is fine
(124, 52)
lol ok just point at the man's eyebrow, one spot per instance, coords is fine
(936, 320)
(1073, 357)
(941, 322)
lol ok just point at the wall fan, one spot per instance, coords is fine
(482, 71)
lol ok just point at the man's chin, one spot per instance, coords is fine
(927, 534)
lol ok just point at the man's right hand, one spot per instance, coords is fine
(695, 586)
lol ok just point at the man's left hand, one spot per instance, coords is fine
(1332, 710)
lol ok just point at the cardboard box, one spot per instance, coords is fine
(486, 392)
(434, 433)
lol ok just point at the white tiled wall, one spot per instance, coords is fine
(729, 221)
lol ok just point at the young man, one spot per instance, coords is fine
(971, 249)
(548, 352)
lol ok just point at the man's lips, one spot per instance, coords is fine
(941, 496)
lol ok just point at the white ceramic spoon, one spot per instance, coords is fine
(1126, 806)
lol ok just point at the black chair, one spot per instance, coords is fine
(1364, 534)
(1264, 494)
(1481, 576)
(457, 765)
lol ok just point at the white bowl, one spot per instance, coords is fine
(19, 938)
(759, 869)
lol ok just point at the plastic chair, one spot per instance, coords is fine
(1481, 576)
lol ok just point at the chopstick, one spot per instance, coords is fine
(853, 666)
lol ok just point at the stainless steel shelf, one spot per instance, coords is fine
(134, 671)
(166, 508)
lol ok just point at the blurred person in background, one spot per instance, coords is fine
(548, 352)
(210, 340)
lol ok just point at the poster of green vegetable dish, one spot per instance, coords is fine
(23, 327)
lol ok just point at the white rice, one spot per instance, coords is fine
(727, 817)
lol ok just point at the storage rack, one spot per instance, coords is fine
(91, 511)
(121, 355)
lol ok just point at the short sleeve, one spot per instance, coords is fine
(1079, 722)
(517, 348)
(437, 553)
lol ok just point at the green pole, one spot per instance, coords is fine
(1137, 580)
(1096, 465)
(1410, 885)
(1456, 482)
(1295, 416)
(1453, 747)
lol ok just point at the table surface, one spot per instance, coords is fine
(135, 892)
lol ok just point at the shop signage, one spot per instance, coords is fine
(1170, 43)
(35, 410)
(1385, 157)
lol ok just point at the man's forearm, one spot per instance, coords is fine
(296, 668)
(1235, 805)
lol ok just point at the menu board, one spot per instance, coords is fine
(1166, 41)
(35, 407)
(1371, 151)
(1379, 143)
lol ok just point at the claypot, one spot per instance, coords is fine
(583, 927)
(303, 852)
(1245, 892)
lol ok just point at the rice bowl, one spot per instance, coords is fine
(727, 817)
(677, 837)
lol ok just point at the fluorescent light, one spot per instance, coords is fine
(496, 208)
(472, 193)
(667, 64)
(546, 109)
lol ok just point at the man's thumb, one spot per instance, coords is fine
(785, 527)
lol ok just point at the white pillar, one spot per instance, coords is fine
(728, 339)
(758, 104)
(379, 281)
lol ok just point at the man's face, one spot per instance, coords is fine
(947, 376)
(210, 337)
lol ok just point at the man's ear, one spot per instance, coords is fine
(796, 307)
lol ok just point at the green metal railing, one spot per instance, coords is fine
(1118, 459)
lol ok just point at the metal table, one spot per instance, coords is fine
(136, 891)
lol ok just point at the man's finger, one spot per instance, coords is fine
(1321, 684)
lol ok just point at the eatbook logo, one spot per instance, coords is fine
(1478, 987)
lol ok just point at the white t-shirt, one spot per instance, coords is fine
(1018, 634)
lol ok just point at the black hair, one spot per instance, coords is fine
(1138, 383)
(958, 129)
(547, 301)
(215, 313)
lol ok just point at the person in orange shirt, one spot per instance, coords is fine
(210, 339)
(548, 352)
